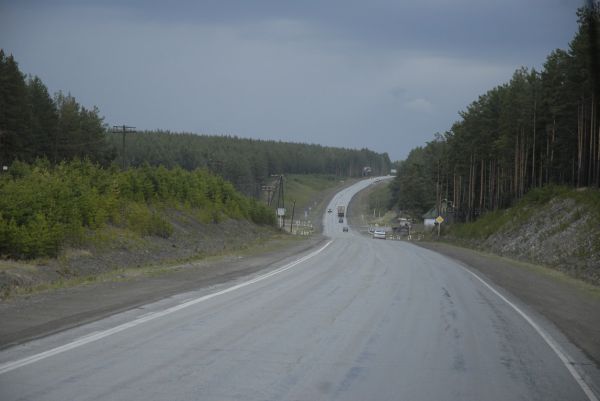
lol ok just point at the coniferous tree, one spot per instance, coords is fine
(14, 124)
(540, 128)
(43, 120)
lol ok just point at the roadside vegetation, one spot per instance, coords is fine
(45, 207)
(107, 224)
(379, 199)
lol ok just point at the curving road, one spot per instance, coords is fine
(357, 319)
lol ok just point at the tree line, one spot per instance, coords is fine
(540, 128)
(247, 163)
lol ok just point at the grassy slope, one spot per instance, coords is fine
(377, 209)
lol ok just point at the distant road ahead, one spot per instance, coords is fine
(360, 319)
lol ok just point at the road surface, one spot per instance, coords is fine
(357, 319)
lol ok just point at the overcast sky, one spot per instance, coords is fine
(380, 74)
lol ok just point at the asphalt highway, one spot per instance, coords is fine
(356, 319)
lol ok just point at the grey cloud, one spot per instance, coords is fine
(337, 73)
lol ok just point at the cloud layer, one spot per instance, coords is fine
(381, 75)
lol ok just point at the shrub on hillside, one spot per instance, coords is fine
(43, 206)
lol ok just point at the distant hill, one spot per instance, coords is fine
(247, 163)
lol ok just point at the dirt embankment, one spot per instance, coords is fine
(112, 249)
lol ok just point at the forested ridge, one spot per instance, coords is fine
(540, 128)
(34, 124)
(247, 163)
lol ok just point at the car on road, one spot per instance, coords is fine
(379, 234)
(345, 229)
(341, 220)
(329, 211)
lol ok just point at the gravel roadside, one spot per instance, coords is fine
(28, 317)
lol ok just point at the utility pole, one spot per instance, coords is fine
(123, 129)
(292, 220)
(280, 194)
(281, 199)
(280, 207)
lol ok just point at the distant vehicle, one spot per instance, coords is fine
(341, 210)
(345, 229)
(329, 211)
(379, 234)
(404, 224)
(341, 220)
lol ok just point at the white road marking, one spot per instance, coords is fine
(9, 366)
(562, 355)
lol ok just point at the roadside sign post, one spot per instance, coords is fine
(281, 216)
(439, 220)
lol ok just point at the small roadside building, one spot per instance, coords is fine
(429, 218)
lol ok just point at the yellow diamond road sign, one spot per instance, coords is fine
(440, 219)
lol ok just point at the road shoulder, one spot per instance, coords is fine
(571, 305)
(25, 318)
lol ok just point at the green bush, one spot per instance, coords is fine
(36, 238)
(144, 221)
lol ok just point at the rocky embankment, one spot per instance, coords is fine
(562, 232)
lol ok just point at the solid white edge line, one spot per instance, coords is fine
(9, 366)
(562, 355)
